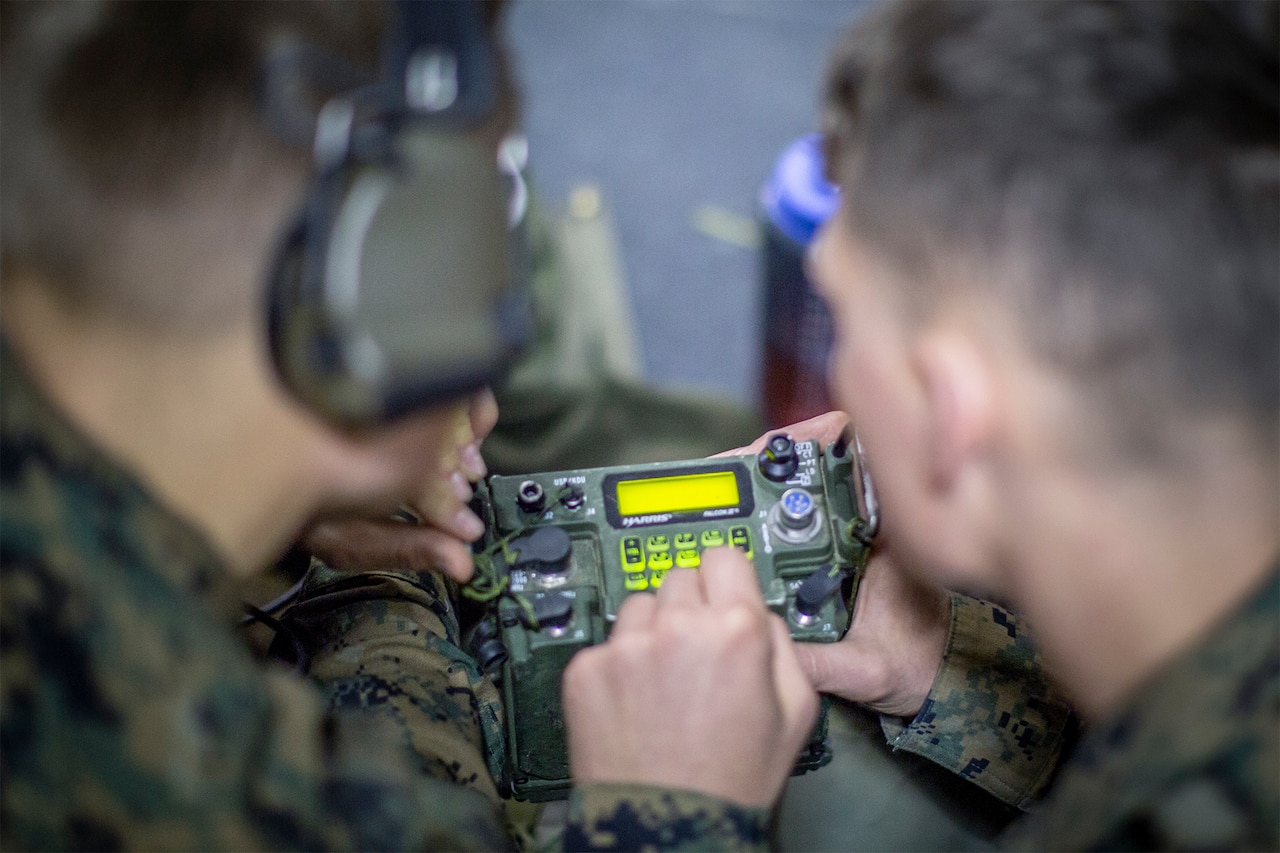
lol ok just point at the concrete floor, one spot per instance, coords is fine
(676, 110)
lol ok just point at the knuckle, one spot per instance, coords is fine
(743, 623)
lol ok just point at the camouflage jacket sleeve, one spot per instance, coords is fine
(386, 646)
(991, 715)
(639, 817)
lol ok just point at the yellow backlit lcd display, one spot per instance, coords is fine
(686, 493)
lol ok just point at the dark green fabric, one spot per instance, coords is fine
(1193, 761)
(991, 716)
(132, 714)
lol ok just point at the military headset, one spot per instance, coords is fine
(397, 287)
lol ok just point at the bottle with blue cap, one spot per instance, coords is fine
(796, 200)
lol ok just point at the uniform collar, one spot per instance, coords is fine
(1215, 700)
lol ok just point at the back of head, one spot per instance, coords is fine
(1108, 173)
(119, 116)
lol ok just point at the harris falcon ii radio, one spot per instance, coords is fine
(562, 550)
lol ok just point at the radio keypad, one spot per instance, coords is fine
(644, 566)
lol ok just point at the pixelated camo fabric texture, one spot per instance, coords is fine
(131, 712)
(1191, 763)
(991, 715)
(133, 716)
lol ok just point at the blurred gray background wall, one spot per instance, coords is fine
(676, 110)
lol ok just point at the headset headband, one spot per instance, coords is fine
(397, 289)
(443, 56)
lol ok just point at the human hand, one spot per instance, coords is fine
(436, 539)
(889, 657)
(894, 646)
(698, 688)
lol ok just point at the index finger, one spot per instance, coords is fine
(729, 578)
(483, 413)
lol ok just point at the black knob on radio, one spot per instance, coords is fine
(486, 646)
(817, 590)
(553, 610)
(543, 549)
(778, 461)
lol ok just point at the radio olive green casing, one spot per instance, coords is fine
(609, 556)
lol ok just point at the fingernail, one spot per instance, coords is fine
(467, 525)
(472, 461)
(461, 487)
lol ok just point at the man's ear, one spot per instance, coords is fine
(958, 388)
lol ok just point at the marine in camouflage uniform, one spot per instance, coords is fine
(132, 714)
(1192, 762)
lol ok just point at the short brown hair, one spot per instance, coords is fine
(113, 107)
(1112, 169)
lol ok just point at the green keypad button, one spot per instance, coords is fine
(657, 578)
(740, 538)
(660, 561)
(712, 538)
(685, 541)
(688, 559)
(636, 581)
(658, 543)
(631, 554)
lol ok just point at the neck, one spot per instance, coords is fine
(1131, 572)
(186, 415)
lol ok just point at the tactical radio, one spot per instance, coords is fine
(562, 550)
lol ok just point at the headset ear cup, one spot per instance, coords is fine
(284, 299)
(305, 344)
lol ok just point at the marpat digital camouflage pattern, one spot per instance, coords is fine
(132, 714)
(1193, 762)
(991, 715)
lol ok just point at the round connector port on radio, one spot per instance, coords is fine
(796, 518)
(573, 498)
(531, 497)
